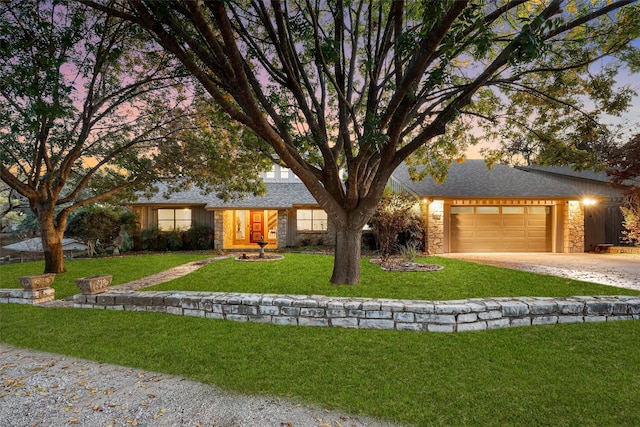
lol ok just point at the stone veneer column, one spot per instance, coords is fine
(573, 230)
(435, 227)
(282, 228)
(218, 230)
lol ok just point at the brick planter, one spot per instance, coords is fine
(37, 282)
(92, 285)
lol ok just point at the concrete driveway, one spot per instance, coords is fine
(621, 270)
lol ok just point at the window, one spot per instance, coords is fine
(538, 210)
(487, 210)
(513, 210)
(312, 220)
(174, 219)
(284, 173)
(272, 173)
(456, 210)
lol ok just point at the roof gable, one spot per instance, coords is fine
(472, 178)
(279, 195)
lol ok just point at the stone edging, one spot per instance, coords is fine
(20, 296)
(362, 313)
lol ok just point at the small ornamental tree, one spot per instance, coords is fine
(625, 169)
(631, 222)
(392, 216)
(94, 225)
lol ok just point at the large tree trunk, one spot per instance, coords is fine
(52, 246)
(346, 266)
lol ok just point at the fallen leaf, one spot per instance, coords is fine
(74, 420)
(98, 408)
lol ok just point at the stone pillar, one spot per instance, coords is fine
(218, 230)
(282, 228)
(435, 227)
(573, 229)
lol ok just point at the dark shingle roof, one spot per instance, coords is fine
(278, 196)
(567, 171)
(472, 179)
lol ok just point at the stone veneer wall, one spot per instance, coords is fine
(428, 316)
(573, 230)
(435, 228)
(19, 296)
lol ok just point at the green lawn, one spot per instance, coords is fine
(123, 269)
(309, 275)
(576, 374)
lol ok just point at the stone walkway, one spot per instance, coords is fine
(154, 279)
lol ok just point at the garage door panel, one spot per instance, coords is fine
(511, 229)
(513, 222)
(484, 221)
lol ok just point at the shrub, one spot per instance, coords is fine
(149, 239)
(631, 213)
(408, 252)
(199, 237)
(394, 214)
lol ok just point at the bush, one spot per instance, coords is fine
(395, 214)
(408, 252)
(199, 237)
(631, 213)
(149, 239)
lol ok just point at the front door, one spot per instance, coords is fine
(256, 225)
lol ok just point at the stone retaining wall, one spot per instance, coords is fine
(19, 296)
(430, 316)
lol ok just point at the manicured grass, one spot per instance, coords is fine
(579, 374)
(123, 269)
(309, 275)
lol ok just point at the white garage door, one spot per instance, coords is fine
(500, 228)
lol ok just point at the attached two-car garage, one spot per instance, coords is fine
(514, 228)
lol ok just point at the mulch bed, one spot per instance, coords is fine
(398, 265)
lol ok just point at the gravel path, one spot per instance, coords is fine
(42, 389)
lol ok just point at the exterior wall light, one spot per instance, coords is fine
(588, 202)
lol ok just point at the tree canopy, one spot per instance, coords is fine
(344, 91)
(92, 108)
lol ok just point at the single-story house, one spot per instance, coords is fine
(503, 209)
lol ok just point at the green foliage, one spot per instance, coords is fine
(631, 213)
(197, 237)
(408, 251)
(92, 110)
(96, 225)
